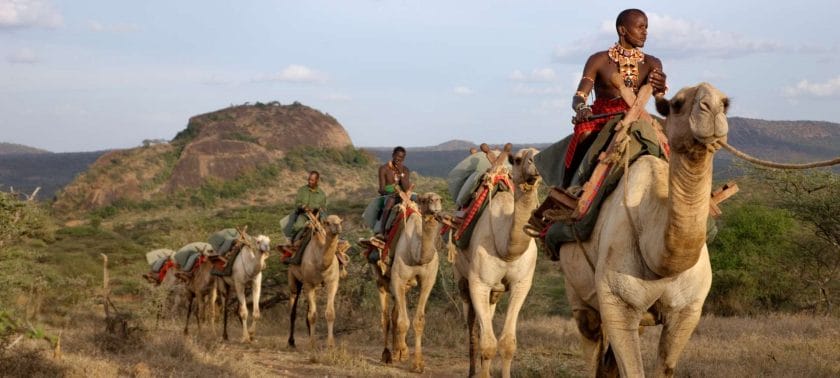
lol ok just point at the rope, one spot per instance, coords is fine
(771, 164)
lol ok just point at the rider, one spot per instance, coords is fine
(393, 177)
(635, 69)
(309, 198)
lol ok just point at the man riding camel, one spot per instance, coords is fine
(393, 177)
(635, 69)
(310, 198)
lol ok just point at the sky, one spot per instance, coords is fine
(82, 75)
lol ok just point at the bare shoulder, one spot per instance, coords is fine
(598, 56)
(653, 61)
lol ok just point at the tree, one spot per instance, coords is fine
(813, 197)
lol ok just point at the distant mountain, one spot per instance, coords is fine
(13, 148)
(51, 171)
(186, 162)
(247, 153)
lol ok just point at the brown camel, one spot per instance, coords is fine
(319, 266)
(500, 257)
(198, 285)
(648, 248)
(415, 261)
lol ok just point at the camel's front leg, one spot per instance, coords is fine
(480, 297)
(676, 330)
(214, 295)
(620, 323)
(311, 314)
(256, 287)
(401, 319)
(332, 289)
(419, 322)
(385, 320)
(294, 294)
(507, 343)
(243, 310)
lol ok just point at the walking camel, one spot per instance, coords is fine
(319, 266)
(648, 248)
(247, 270)
(500, 257)
(415, 261)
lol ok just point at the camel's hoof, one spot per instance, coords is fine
(418, 367)
(402, 354)
(386, 356)
(292, 343)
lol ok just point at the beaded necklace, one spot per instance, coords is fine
(628, 61)
(396, 171)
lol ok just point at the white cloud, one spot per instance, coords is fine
(296, 73)
(462, 90)
(829, 88)
(28, 13)
(537, 75)
(675, 38)
(98, 27)
(23, 56)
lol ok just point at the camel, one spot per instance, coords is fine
(415, 261)
(500, 257)
(197, 286)
(648, 249)
(319, 266)
(247, 270)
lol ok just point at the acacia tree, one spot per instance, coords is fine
(813, 197)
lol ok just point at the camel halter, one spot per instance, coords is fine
(771, 164)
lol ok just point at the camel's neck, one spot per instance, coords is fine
(690, 186)
(330, 247)
(431, 227)
(524, 202)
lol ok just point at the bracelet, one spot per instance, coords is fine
(582, 106)
(584, 77)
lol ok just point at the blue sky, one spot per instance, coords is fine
(81, 75)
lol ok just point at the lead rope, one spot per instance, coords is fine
(771, 164)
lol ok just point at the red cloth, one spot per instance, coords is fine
(164, 269)
(600, 106)
(476, 204)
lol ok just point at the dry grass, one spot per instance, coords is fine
(774, 345)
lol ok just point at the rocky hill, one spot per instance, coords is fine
(268, 144)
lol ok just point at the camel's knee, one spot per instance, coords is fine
(402, 326)
(507, 346)
(589, 324)
(243, 312)
(488, 347)
(330, 315)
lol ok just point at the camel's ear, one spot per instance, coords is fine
(663, 106)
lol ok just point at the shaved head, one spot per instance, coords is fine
(626, 15)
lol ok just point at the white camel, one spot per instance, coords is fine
(648, 248)
(500, 257)
(247, 270)
(319, 267)
(415, 261)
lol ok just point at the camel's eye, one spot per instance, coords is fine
(725, 104)
(677, 104)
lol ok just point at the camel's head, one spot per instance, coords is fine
(524, 170)
(696, 118)
(430, 203)
(333, 224)
(263, 244)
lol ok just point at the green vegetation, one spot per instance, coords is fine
(304, 157)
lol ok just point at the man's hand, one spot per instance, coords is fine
(657, 81)
(582, 114)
